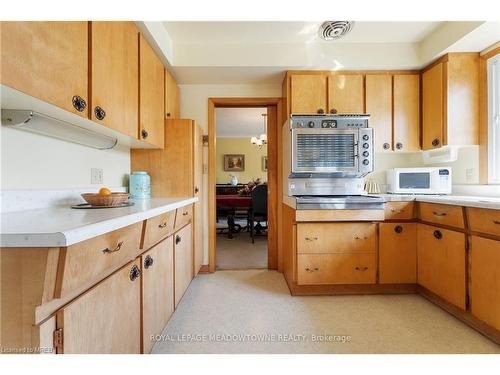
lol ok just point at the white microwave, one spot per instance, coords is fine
(436, 180)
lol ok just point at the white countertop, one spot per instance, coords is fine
(64, 226)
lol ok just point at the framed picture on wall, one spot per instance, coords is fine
(264, 163)
(234, 162)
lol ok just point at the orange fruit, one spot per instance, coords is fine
(104, 191)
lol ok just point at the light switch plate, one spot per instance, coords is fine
(96, 176)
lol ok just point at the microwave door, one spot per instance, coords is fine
(324, 151)
(414, 182)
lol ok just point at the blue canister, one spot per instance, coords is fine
(140, 185)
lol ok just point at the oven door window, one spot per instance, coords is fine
(414, 180)
(325, 152)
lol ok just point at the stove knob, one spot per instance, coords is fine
(311, 124)
(324, 125)
(299, 124)
(366, 162)
(365, 137)
(366, 154)
(366, 145)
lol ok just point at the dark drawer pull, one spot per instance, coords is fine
(185, 213)
(148, 262)
(311, 238)
(118, 247)
(496, 222)
(135, 272)
(361, 268)
(397, 211)
(312, 269)
(439, 214)
(437, 234)
(162, 225)
(178, 239)
(356, 237)
(144, 133)
(398, 229)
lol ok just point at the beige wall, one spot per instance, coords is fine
(253, 160)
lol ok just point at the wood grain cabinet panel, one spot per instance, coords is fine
(172, 95)
(406, 110)
(399, 210)
(151, 95)
(441, 262)
(183, 256)
(308, 93)
(107, 318)
(433, 109)
(157, 290)
(379, 106)
(316, 269)
(397, 253)
(115, 76)
(184, 216)
(346, 93)
(444, 214)
(158, 228)
(485, 280)
(47, 60)
(484, 221)
(336, 238)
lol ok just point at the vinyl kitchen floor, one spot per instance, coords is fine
(240, 253)
(221, 313)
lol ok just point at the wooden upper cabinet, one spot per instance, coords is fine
(308, 93)
(379, 106)
(47, 60)
(171, 97)
(346, 93)
(151, 95)
(432, 107)
(115, 76)
(450, 101)
(406, 110)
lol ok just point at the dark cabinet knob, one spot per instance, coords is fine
(399, 146)
(398, 229)
(168, 114)
(333, 111)
(321, 111)
(79, 103)
(177, 239)
(437, 234)
(148, 262)
(99, 113)
(386, 146)
(435, 142)
(135, 272)
(144, 133)
(196, 190)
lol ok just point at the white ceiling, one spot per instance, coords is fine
(295, 32)
(239, 122)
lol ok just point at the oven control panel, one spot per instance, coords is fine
(345, 121)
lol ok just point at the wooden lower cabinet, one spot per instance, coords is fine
(105, 319)
(316, 269)
(441, 262)
(157, 290)
(484, 264)
(397, 253)
(183, 257)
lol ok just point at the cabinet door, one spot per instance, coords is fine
(308, 93)
(157, 290)
(441, 262)
(197, 210)
(107, 318)
(406, 107)
(151, 95)
(114, 76)
(346, 93)
(432, 107)
(183, 255)
(485, 280)
(47, 60)
(171, 97)
(398, 253)
(379, 106)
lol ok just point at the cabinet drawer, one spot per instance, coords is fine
(484, 221)
(183, 216)
(158, 228)
(336, 238)
(444, 214)
(336, 269)
(399, 210)
(87, 262)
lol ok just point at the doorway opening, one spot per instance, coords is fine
(244, 186)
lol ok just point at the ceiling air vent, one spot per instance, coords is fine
(331, 30)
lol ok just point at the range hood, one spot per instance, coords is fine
(42, 124)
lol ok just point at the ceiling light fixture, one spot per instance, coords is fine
(331, 30)
(262, 140)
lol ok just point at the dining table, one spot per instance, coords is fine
(230, 203)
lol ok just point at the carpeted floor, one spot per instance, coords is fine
(252, 311)
(240, 253)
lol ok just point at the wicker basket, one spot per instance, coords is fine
(114, 199)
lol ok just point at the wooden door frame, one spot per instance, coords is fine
(274, 247)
